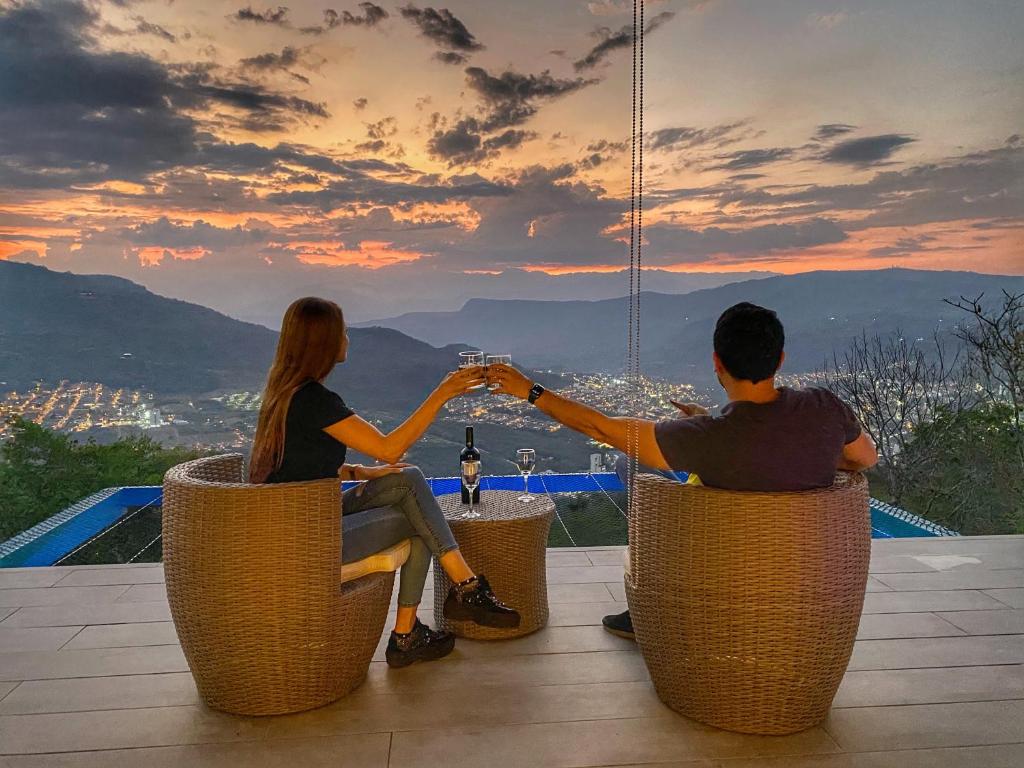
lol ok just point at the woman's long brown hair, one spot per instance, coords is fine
(311, 335)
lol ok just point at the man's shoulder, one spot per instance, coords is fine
(817, 395)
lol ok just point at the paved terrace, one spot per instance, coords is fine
(91, 675)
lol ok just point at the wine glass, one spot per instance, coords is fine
(526, 460)
(498, 360)
(470, 360)
(471, 477)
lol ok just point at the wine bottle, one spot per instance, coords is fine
(469, 453)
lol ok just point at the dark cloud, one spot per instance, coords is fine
(869, 150)
(250, 158)
(442, 27)
(751, 158)
(376, 145)
(597, 153)
(270, 16)
(74, 113)
(510, 139)
(672, 139)
(143, 27)
(197, 234)
(371, 16)
(459, 144)
(464, 143)
(364, 189)
(610, 41)
(288, 57)
(511, 97)
(904, 246)
(545, 217)
(670, 244)
(451, 57)
(980, 185)
(604, 145)
(360, 103)
(831, 130)
(382, 129)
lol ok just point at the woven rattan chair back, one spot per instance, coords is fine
(253, 581)
(746, 605)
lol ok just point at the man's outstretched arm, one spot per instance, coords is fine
(626, 434)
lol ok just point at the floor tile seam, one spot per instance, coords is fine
(946, 637)
(905, 704)
(988, 591)
(17, 684)
(254, 739)
(64, 645)
(93, 677)
(725, 762)
(99, 710)
(967, 632)
(667, 715)
(632, 683)
(97, 677)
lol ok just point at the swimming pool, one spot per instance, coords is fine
(589, 512)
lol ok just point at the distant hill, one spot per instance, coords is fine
(821, 311)
(58, 325)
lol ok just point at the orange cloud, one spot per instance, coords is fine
(10, 248)
(371, 254)
(152, 255)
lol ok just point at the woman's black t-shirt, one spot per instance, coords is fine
(309, 452)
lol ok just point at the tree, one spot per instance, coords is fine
(995, 343)
(894, 384)
(43, 472)
(948, 427)
(973, 484)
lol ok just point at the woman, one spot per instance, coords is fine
(303, 434)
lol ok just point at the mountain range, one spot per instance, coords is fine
(821, 311)
(58, 325)
(368, 294)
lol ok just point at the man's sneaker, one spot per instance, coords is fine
(474, 601)
(620, 624)
(422, 644)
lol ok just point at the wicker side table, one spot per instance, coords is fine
(508, 544)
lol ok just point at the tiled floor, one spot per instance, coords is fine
(91, 675)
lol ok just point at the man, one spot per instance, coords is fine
(767, 438)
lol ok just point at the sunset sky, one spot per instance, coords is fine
(197, 145)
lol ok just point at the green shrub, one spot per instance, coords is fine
(42, 471)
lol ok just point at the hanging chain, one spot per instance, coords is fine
(636, 208)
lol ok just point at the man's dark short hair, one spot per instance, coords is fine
(749, 341)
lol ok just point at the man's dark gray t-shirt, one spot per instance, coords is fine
(792, 443)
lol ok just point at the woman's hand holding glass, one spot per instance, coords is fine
(461, 381)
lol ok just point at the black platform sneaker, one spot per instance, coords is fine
(422, 644)
(474, 601)
(620, 624)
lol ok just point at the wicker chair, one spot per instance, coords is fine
(746, 605)
(257, 592)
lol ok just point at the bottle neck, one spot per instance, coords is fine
(469, 437)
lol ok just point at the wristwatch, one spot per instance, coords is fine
(536, 391)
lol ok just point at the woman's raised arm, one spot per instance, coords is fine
(360, 435)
